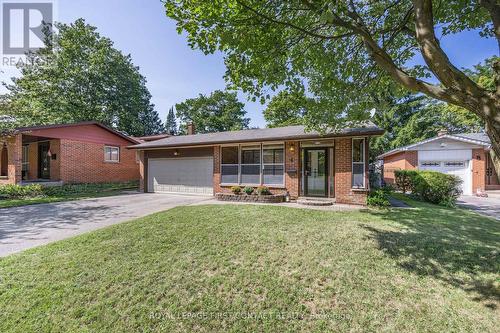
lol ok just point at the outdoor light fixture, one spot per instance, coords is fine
(292, 147)
(176, 152)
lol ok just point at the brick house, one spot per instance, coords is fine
(464, 155)
(286, 159)
(86, 152)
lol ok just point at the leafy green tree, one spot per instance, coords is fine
(343, 50)
(171, 123)
(80, 76)
(218, 112)
(287, 108)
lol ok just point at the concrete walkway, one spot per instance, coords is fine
(29, 226)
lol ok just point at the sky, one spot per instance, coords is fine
(174, 71)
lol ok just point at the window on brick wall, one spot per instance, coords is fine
(111, 154)
(273, 164)
(358, 163)
(229, 165)
(253, 164)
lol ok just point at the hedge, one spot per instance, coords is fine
(431, 186)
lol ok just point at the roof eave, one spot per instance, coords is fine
(145, 146)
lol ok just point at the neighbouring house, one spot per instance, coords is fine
(286, 159)
(86, 152)
(464, 155)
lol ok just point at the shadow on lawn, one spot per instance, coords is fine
(459, 248)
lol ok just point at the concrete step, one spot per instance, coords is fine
(315, 201)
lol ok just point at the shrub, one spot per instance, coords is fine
(378, 198)
(248, 190)
(236, 189)
(404, 179)
(18, 191)
(436, 187)
(263, 190)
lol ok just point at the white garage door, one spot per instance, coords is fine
(181, 175)
(456, 168)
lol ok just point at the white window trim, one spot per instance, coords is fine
(363, 163)
(25, 158)
(106, 157)
(261, 164)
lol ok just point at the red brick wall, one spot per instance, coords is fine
(478, 170)
(217, 176)
(83, 162)
(143, 172)
(343, 174)
(14, 154)
(292, 162)
(406, 160)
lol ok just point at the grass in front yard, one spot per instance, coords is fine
(263, 268)
(69, 192)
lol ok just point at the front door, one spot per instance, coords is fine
(316, 172)
(43, 160)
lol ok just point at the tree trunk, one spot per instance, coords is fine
(493, 131)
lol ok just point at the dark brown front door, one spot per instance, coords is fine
(43, 160)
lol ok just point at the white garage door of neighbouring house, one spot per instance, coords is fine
(456, 168)
(181, 175)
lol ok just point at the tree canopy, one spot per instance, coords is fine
(171, 123)
(342, 51)
(80, 76)
(287, 109)
(218, 112)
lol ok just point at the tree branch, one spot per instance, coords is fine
(450, 76)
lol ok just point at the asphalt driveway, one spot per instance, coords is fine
(486, 206)
(25, 227)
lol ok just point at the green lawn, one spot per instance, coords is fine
(243, 268)
(71, 192)
(40, 200)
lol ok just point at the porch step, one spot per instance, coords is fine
(43, 183)
(315, 201)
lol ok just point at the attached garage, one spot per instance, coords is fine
(181, 171)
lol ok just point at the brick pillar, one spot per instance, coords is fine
(343, 174)
(217, 171)
(411, 160)
(478, 170)
(143, 187)
(292, 167)
(15, 159)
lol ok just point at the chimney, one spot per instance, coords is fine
(442, 132)
(190, 129)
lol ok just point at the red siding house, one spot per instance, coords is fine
(86, 152)
(287, 159)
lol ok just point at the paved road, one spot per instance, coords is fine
(29, 226)
(486, 206)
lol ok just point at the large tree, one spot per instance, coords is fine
(80, 76)
(218, 112)
(287, 109)
(340, 50)
(171, 123)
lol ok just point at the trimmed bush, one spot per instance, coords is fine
(436, 187)
(378, 198)
(404, 179)
(248, 190)
(236, 189)
(18, 191)
(263, 190)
